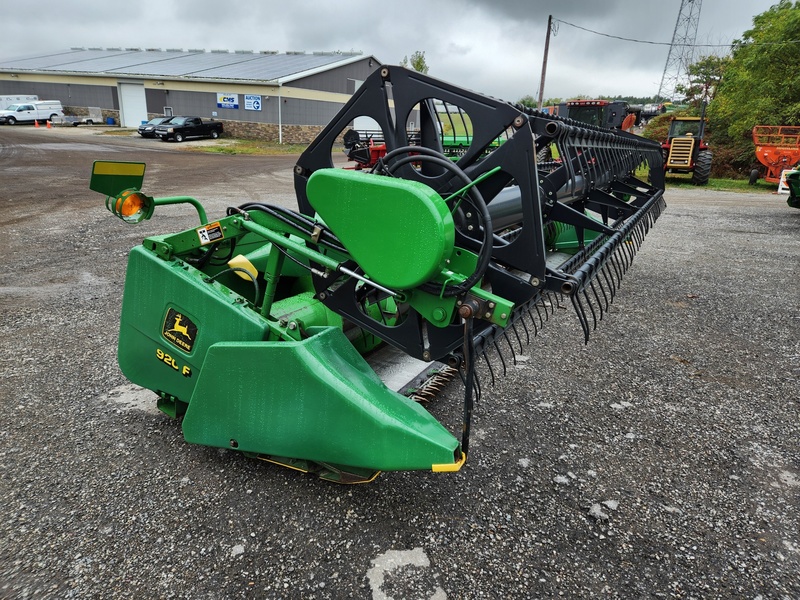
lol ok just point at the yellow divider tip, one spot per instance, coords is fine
(450, 467)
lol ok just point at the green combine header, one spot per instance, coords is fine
(260, 329)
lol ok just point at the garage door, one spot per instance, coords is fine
(132, 104)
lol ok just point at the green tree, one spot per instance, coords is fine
(704, 78)
(760, 85)
(552, 101)
(417, 62)
(528, 101)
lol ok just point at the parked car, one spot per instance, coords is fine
(148, 129)
(181, 128)
(41, 110)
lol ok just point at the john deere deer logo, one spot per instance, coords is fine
(182, 329)
(179, 330)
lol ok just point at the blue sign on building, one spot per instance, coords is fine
(252, 102)
(227, 100)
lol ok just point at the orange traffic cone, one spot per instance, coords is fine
(35, 123)
(48, 124)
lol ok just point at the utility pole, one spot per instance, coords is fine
(544, 61)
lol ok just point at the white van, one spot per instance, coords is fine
(28, 112)
(6, 101)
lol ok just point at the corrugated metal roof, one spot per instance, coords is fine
(191, 64)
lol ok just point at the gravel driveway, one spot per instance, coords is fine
(661, 460)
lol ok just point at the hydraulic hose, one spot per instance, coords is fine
(423, 154)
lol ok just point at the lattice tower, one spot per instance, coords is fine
(681, 50)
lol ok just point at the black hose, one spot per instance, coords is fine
(200, 263)
(238, 270)
(423, 154)
(283, 215)
(469, 383)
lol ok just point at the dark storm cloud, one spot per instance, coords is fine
(491, 46)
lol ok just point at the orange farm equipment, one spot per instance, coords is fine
(777, 148)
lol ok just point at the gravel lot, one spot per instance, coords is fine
(661, 460)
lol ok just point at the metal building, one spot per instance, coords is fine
(276, 90)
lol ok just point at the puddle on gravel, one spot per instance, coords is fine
(132, 397)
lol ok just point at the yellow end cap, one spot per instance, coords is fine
(241, 262)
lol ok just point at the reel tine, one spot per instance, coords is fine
(626, 257)
(632, 243)
(516, 333)
(637, 238)
(616, 269)
(533, 320)
(644, 228)
(609, 277)
(576, 303)
(549, 307)
(508, 341)
(603, 291)
(500, 356)
(554, 301)
(525, 326)
(478, 389)
(488, 364)
(626, 249)
(621, 253)
(559, 297)
(650, 221)
(591, 308)
(639, 232)
(601, 309)
(545, 303)
(538, 312)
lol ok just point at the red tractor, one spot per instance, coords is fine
(686, 150)
(611, 115)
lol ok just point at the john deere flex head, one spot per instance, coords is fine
(261, 327)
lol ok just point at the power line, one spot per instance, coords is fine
(616, 37)
(652, 43)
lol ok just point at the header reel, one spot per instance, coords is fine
(569, 227)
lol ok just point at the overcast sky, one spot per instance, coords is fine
(490, 46)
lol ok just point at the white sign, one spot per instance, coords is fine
(227, 100)
(783, 185)
(252, 102)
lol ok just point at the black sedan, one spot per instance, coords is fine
(149, 129)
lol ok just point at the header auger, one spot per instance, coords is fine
(260, 327)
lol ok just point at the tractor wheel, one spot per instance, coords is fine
(753, 176)
(544, 155)
(702, 168)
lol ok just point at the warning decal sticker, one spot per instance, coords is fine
(210, 233)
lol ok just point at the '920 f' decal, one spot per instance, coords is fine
(185, 370)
